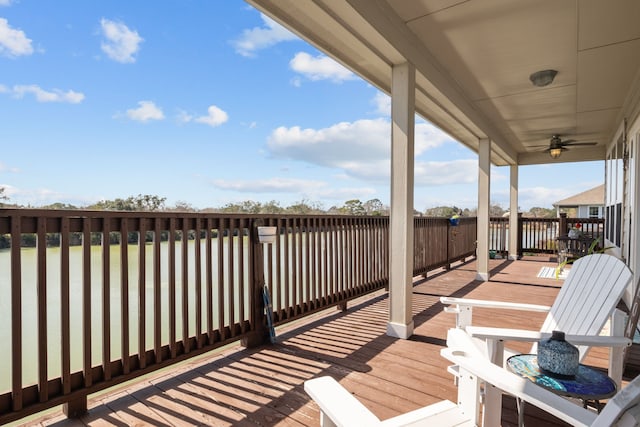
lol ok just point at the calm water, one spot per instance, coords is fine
(29, 304)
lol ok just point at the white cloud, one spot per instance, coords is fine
(342, 194)
(306, 189)
(120, 43)
(463, 171)
(13, 42)
(542, 196)
(262, 37)
(42, 196)
(362, 150)
(5, 2)
(184, 117)
(146, 111)
(272, 185)
(5, 168)
(382, 101)
(320, 67)
(41, 95)
(352, 146)
(215, 117)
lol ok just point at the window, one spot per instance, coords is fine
(614, 193)
(594, 212)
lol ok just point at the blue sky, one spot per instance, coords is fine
(207, 103)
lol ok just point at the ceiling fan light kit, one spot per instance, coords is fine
(543, 78)
(555, 152)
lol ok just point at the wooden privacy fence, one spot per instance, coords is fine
(91, 299)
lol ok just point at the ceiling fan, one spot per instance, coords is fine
(557, 145)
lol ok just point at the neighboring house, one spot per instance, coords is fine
(588, 204)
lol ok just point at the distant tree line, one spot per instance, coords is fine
(495, 210)
(147, 202)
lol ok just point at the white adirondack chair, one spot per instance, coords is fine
(588, 298)
(338, 407)
(621, 410)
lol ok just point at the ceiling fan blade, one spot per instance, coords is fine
(573, 144)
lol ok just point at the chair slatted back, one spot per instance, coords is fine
(594, 286)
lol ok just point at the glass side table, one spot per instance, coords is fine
(589, 384)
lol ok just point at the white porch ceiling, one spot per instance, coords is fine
(473, 59)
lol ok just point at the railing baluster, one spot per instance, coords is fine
(313, 246)
(142, 294)
(209, 280)
(16, 315)
(157, 288)
(299, 270)
(106, 298)
(361, 250)
(325, 257)
(65, 323)
(308, 264)
(86, 302)
(124, 294)
(231, 273)
(241, 291)
(43, 379)
(185, 285)
(294, 266)
(172, 286)
(276, 285)
(287, 269)
(222, 227)
(198, 273)
(332, 261)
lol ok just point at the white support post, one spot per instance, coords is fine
(401, 218)
(513, 213)
(484, 186)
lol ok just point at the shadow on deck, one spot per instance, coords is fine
(264, 386)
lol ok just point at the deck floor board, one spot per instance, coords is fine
(264, 386)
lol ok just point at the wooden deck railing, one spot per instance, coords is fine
(538, 235)
(91, 299)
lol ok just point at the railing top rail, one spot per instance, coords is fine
(165, 214)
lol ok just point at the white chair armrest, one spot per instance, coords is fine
(338, 407)
(463, 308)
(465, 302)
(336, 403)
(504, 334)
(433, 414)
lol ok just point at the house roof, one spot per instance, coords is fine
(592, 197)
(473, 60)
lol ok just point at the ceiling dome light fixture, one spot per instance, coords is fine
(543, 78)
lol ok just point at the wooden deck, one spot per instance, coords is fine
(264, 386)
